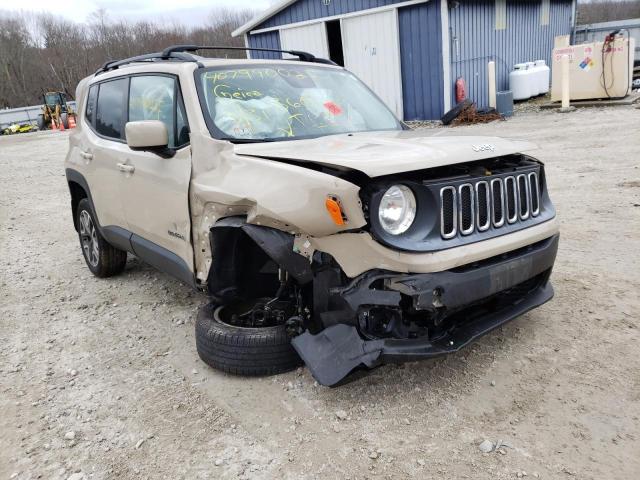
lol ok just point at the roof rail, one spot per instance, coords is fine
(302, 56)
(181, 53)
(148, 57)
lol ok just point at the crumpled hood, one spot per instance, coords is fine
(384, 153)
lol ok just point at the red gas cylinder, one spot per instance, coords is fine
(461, 90)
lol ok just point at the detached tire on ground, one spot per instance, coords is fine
(452, 114)
(243, 351)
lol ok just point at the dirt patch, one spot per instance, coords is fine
(630, 184)
(99, 378)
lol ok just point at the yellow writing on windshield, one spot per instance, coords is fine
(226, 91)
(216, 76)
(284, 100)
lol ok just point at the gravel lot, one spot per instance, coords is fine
(99, 379)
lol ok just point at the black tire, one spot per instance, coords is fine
(451, 115)
(41, 123)
(243, 351)
(64, 118)
(109, 260)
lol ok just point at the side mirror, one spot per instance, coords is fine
(149, 135)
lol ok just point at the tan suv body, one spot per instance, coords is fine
(289, 193)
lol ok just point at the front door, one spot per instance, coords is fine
(155, 190)
(371, 51)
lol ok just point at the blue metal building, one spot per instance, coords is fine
(411, 52)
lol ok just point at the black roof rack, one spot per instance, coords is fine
(148, 57)
(180, 53)
(302, 56)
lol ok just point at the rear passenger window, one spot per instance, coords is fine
(91, 104)
(110, 112)
(153, 97)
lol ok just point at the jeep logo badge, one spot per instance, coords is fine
(486, 147)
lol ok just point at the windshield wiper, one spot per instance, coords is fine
(249, 140)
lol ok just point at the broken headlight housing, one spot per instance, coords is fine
(397, 209)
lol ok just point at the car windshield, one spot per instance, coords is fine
(285, 102)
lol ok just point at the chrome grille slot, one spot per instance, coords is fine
(448, 212)
(466, 208)
(483, 206)
(497, 202)
(511, 199)
(472, 206)
(534, 192)
(523, 196)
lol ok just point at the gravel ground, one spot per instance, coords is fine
(99, 379)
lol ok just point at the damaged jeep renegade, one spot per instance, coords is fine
(322, 229)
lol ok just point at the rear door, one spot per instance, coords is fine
(371, 51)
(100, 148)
(155, 190)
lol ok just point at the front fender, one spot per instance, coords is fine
(268, 193)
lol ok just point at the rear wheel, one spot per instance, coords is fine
(64, 118)
(246, 338)
(41, 123)
(103, 259)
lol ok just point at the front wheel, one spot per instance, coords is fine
(250, 350)
(103, 259)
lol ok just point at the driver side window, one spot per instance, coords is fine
(157, 97)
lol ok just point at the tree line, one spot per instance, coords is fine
(607, 11)
(42, 52)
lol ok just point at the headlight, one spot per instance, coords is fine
(397, 209)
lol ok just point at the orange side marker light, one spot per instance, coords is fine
(333, 207)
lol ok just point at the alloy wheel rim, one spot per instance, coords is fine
(89, 239)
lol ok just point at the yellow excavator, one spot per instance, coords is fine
(55, 109)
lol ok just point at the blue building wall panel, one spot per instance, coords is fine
(475, 41)
(303, 10)
(420, 32)
(265, 40)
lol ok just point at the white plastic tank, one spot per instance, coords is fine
(519, 82)
(543, 75)
(534, 81)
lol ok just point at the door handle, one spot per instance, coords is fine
(86, 155)
(123, 167)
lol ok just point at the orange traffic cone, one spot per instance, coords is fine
(53, 125)
(72, 122)
(61, 126)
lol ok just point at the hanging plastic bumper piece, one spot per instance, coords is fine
(515, 283)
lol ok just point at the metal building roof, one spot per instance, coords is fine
(258, 19)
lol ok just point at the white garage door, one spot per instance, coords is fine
(310, 38)
(371, 51)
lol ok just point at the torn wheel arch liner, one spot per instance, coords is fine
(226, 247)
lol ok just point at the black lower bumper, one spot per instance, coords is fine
(472, 301)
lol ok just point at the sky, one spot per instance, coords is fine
(190, 12)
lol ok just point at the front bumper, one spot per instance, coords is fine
(358, 253)
(467, 302)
